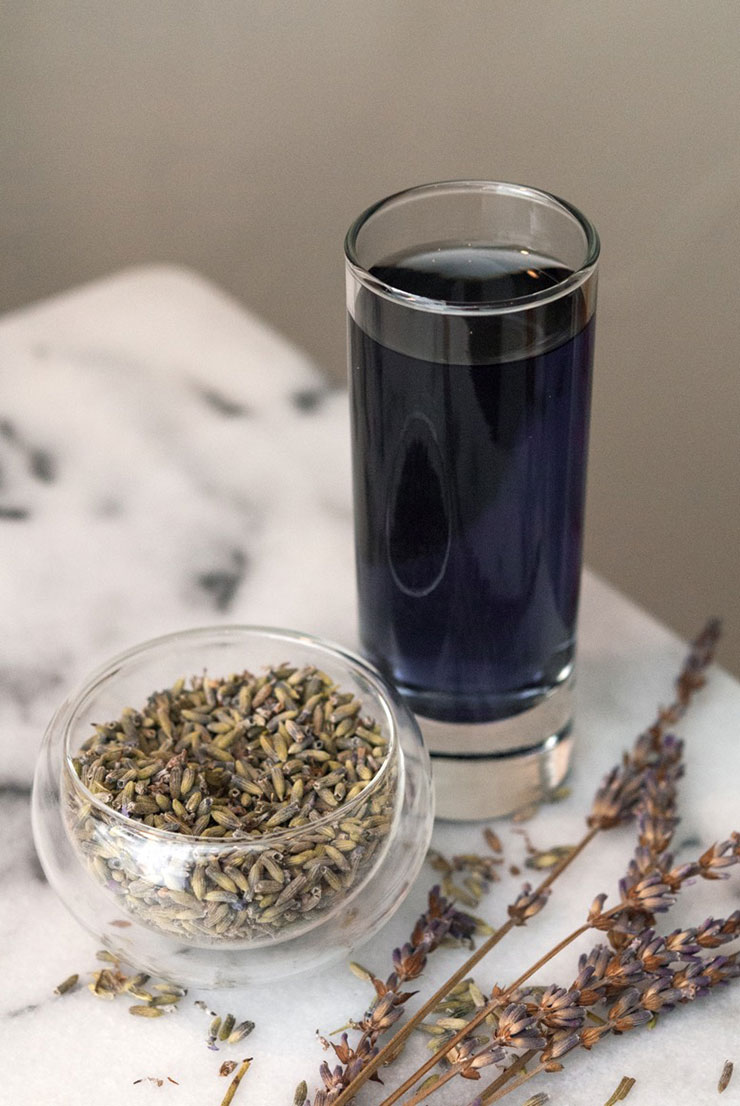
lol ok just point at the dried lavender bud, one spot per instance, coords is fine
(682, 945)
(722, 969)
(596, 910)
(717, 858)
(626, 1013)
(659, 995)
(518, 1029)
(559, 1044)
(301, 1092)
(482, 1059)
(242, 1030)
(691, 982)
(651, 950)
(560, 1009)
(650, 895)
(66, 985)
(360, 972)
(527, 904)
(623, 970)
(616, 799)
(725, 1077)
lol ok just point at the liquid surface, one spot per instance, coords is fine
(469, 487)
(471, 274)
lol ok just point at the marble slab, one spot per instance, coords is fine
(168, 461)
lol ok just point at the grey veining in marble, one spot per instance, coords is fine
(167, 461)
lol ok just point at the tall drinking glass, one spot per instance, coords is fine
(471, 330)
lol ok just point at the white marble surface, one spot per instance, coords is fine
(166, 461)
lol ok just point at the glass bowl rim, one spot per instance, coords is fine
(75, 700)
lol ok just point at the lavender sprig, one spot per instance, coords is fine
(440, 921)
(620, 795)
(645, 898)
(660, 971)
(616, 802)
(650, 994)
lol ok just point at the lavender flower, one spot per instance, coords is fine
(527, 904)
(659, 994)
(518, 1029)
(559, 1044)
(439, 921)
(650, 895)
(558, 1009)
(627, 1013)
(717, 858)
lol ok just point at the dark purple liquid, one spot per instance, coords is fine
(470, 440)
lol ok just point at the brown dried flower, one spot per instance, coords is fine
(527, 904)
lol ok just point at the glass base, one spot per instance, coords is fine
(489, 769)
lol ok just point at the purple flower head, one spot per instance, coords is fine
(691, 982)
(559, 1044)
(721, 969)
(627, 1013)
(527, 904)
(518, 1029)
(660, 994)
(650, 895)
(560, 1009)
(487, 1056)
(651, 950)
(682, 945)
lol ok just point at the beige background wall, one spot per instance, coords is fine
(242, 137)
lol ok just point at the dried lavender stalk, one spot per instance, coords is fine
(638, 1004)
(440, 921)
(656, 764)
(652, 975)
(644, 899)
(616, 802)
(643, 964)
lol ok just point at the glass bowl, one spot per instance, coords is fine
(225, 911)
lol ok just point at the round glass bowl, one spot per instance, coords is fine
(246, 907)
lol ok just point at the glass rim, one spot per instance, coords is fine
(74, 703)
(483, 307)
